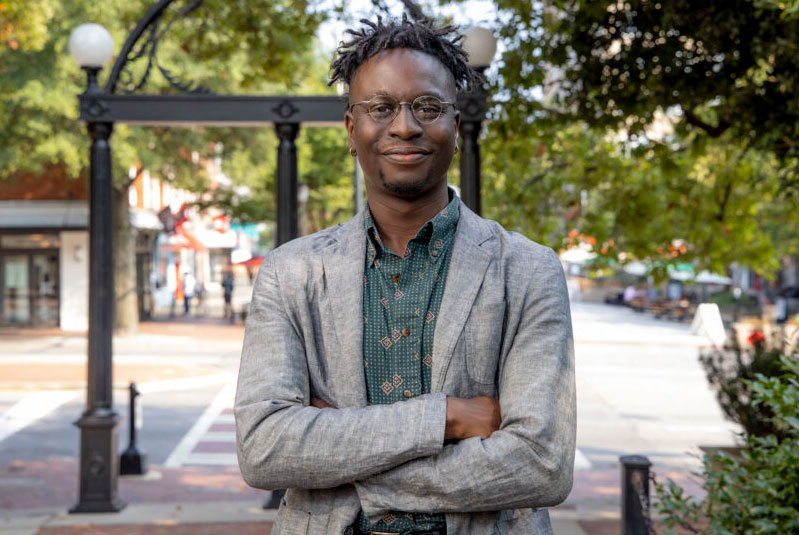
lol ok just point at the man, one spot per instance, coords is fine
(227, 286)
(410, 371)
(189, 285)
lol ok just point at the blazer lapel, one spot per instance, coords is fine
(343, 264)
(467, 269)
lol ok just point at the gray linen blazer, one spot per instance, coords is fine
(504, 330)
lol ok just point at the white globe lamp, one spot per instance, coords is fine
(91, 45)
(481, 45)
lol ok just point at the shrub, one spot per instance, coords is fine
(758, 492)
(731, 371)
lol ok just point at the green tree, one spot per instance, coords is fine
(582, 89)
(256, 46)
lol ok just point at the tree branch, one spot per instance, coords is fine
(540, 176)
(712, 131)
(728, 188)
(725, 198)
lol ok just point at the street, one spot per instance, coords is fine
(640, 390)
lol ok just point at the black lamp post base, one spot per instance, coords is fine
(99, 461)
(98, 507)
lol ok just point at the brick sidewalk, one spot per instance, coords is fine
(240, 528)
(53, 483)
(67, 376)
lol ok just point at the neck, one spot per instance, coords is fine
(398, 220)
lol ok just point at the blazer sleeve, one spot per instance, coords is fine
(529, 461)
(284, 443)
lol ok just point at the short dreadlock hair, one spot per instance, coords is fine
(421, 35)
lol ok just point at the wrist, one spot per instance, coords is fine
(452, 426)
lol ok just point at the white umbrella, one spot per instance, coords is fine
(706, 277)
(639, 269)
(577, 255)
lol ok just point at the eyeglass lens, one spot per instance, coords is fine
(425, 109)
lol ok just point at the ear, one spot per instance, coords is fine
(349, 123)
(457, 120)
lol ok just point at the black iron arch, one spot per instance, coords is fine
(100, 108)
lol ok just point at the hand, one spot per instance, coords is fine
(473, 417)
(321, 404)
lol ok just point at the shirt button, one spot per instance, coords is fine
(406, 332)
(407, 394)
(396, 279)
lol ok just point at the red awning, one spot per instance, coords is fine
(183, 239)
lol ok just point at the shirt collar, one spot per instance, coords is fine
(437, 233)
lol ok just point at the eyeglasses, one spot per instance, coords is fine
(384, 108)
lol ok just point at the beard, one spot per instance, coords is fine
(408, 189)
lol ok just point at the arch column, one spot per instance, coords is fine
(470, 165)
(99, 459)
(286, 182)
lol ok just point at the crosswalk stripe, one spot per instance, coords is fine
(212, 459)
(225, 419)
(581, 462)
(183, 450)
(219, 436)
(31, 408)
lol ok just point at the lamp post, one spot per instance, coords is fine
(91, 45)
(481, 46)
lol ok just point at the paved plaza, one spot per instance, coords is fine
(640, 390)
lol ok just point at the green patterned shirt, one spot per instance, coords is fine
(401, 299)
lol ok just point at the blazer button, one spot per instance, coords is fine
(407, 394)
(348, 531)
(406, 332)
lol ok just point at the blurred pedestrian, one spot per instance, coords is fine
(227, 287)
(189, 287)
(630, 293)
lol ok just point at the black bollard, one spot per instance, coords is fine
(132, 461)
(275, 497)
(635, 495)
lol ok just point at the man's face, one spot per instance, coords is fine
(404, 157)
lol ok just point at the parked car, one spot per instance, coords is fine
(787, 303)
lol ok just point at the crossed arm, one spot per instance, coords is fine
(521, 460)
(466, 417)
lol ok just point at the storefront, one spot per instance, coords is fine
(43, 264)
(29, 271)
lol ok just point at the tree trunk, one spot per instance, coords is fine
(127, 310)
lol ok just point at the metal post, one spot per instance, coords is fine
(286, 213)
(133, 461)
(473, 106)
(286, 181)
(470, 165)
(635, 495)
(99, 468)
(275, 497)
